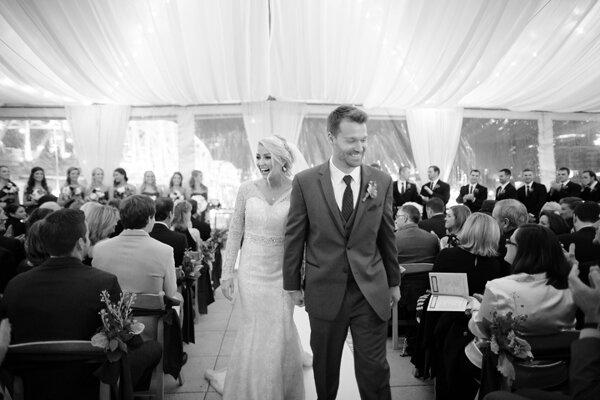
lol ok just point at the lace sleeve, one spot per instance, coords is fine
(235, 234)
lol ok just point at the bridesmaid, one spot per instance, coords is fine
(97, 191)
(36, 188)
(121, 189)
(72, 189)
(176, 190)
(9, 191)
(149, 187)
(197, 188)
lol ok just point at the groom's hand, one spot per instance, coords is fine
(394, 295)
(297, 297)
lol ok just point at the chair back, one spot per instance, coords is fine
(416, 268)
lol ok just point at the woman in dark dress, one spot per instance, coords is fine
(72, 190)
(97, 191)
(36, 188)
(149, 187)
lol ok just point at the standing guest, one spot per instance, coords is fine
(554, 222)
(587, 253)
(567, 207)
(36, 188)
(591, 189)
(455, 219)
(9, 191)
(162, 229)
(403, 190)
(149, 187)
(435, 188)
(34, 249)
(11, 244)
(436, 222)
(563, 187)
(176, 191)
(197, 188)
(101, 222)
(71, 189)
(199, 221)
(182, 223)
(414, 244)
(510, 214)
(97, 191)
(15, 224)
(120, 189)
(63, 303)
(473, 195)
(506, 190)
(532, 194)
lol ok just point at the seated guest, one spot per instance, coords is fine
(403, 190)
(487, 207)
(141, 263)
(563, 187)
(62, 302)
(414, 244)
(34, 249)
(87, 207)
(506, 190)
(199, 221)
(550, 206)
(532, 194)
(587, 253)
(182, 223)
(37, 215)
(9, 243)
(510, 214)
(590, 189)
(567, 207)
(101, 221)
(554, 222)
(162, 229)
(50, 205)
(436, 221)
(15, 224)
(473, 194)
(455, 219)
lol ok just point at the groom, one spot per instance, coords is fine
(340, 223)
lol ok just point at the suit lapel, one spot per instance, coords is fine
(330, 198)
(365, 175)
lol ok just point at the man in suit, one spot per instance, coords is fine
(587, 253)
(404, 191)
(563, 187)
(591, 188)
(510, 214)
(506, 190)
(60, 300)
(436, 223)
(473, 195)
(340, 221)
(435, 188)
(414, 244)
(162, 232)
(532, 194)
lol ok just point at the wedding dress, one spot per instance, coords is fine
(266, 359)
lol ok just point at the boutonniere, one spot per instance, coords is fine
(436, 187)
(371, 191)
(475, 191)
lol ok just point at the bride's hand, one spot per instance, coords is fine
(227, 287)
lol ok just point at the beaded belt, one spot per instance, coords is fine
(264, 240)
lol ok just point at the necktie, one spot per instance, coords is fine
(527, 190)
(347, 200)
(402, 189)
(470, 189)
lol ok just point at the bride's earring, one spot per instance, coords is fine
(284, 169)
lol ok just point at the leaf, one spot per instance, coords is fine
(506, 368)
(113, 344)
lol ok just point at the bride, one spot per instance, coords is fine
(266, 360)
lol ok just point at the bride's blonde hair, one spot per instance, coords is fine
(277, 146)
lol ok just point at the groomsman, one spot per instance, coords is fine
(434, 188)
(532, 194)
(591, 188)
(473, 194)
(563, 187)
(506, 190)
(403, 190)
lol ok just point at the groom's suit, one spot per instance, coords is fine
(350, 267)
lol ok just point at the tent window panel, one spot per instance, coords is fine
(577, 145)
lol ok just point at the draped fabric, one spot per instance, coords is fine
(98, 136)
(268, 118)
(434, 137)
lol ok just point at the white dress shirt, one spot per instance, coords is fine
(339, 186)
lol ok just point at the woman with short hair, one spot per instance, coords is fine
(101, 221)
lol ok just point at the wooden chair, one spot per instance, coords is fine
(37, 355)
(415, 272)
(150, 309)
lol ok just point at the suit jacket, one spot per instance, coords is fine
(8, 267)
(509, 192)
(587, 253)
(14, 246)
(142, 264)
(441, 191)
(571, 189)
(588, 194)
(481, 194)
(536, 198)
(334, 250)
(176, 240)
(410, 194)
(437, 224)
(415, 245)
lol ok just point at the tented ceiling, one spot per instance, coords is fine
(514, 54)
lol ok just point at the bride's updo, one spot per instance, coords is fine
(278, 147)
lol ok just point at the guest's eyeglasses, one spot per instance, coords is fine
(510, 243)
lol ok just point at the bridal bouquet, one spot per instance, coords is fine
(118, 329)
(219, 236)
(176, 196)
(208, 248)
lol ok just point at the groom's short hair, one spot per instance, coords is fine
(348, 112)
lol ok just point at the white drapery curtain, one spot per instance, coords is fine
(98, 136)
(268, 118)
(434, 136)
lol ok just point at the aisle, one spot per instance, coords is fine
(215, 334)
